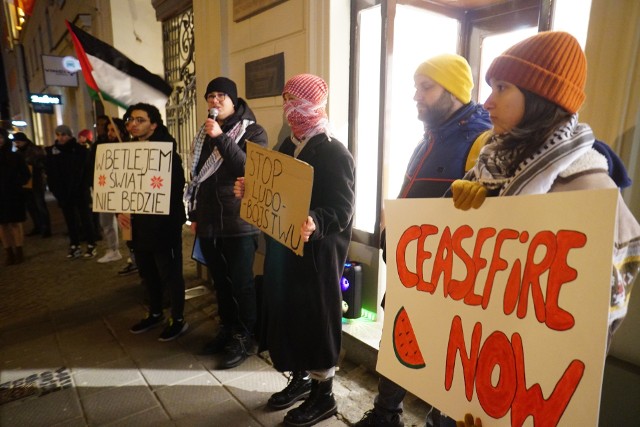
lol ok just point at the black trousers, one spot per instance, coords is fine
(77, 215)
(230, 264)
(38, 211)
(162, 269)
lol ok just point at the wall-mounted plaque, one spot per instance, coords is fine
(265, 77)
(243, 9)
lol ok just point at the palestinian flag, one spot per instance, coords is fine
(110, 73)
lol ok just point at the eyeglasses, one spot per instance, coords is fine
(220, 96)
(138, 120)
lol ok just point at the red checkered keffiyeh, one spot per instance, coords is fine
(307, 115)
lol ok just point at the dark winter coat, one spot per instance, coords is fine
(35, 157)
(14, 173)
(217, 212)
(152, 232)
(302, 298)
(67, 172)
(441, 156)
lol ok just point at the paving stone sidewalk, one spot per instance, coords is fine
(67, 357)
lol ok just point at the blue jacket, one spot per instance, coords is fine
(441, 156)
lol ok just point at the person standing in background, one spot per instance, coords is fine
(35, 157)
(68, 176)
(85, 138)
(14, 173)
(131, 266)
(108, 222)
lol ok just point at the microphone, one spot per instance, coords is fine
(213, 113)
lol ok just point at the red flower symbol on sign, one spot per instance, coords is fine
(156, 182)
(102, 180)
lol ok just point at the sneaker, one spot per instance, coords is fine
(74, 252)
(110, 256)
(375, 419)
(173, 330)
(128, 269)
(91, 252)
(151, 321)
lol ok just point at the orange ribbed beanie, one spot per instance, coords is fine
(550, 64)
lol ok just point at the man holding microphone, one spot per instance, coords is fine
(227, 242)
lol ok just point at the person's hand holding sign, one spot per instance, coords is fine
(307, 229)
(238, 187)
(469, 421)
(124, 221)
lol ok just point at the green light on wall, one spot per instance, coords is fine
(369, 315)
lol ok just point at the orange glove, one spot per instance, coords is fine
(467, 194)
(469, 422)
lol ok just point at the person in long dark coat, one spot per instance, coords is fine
(302, 299)
(14, 173)
(35, 157)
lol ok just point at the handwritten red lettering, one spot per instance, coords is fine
(539, 276)
(510, 392)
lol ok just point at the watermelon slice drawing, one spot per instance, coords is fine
(405, 344)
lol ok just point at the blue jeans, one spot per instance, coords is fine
(389, 399)
(230, 264)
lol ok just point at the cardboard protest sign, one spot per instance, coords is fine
(501, 312)
(277, 194)
(133, 177)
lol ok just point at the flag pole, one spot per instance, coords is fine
(110, 118)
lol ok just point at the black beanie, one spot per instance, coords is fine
(20, 136)
(224, 85)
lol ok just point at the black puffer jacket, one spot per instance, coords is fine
(151, 232)
(67, 172)
(217, 212)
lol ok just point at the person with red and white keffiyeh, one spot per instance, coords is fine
(302, 299)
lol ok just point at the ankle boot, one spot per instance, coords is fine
(9, 256)
(319, 405)
(298, 388)
(19, 255)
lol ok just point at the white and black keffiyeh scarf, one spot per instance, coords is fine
(212, 164)
(536, 174)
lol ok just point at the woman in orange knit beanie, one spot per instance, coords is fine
(538, 146)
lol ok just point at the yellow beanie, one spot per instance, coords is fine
(450, 71)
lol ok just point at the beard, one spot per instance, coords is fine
(436, 114)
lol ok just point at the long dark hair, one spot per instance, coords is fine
(541, 118)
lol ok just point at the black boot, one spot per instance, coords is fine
(9, 256)
(236, 351)
(19, 255)
(298, 388)
(319, 405)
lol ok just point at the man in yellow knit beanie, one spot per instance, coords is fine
(452, 123)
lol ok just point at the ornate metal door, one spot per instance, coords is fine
(180, 72)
